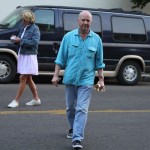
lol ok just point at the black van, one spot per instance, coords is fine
(125, 36)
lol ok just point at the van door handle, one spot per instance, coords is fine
(55, 47)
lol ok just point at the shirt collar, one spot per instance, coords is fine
(77, 33)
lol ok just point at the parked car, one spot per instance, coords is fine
(125, 36)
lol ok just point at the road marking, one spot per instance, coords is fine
(120, 111)
(59, 112)
(63, 111)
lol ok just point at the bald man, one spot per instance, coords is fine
(80, 54)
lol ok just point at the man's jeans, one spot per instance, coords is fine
(77, 103)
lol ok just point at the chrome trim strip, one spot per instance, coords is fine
(126, 45)
(104, 44)
(40, 43)
(5, 42)
(48, 42)
(106, 73)
(50, 72)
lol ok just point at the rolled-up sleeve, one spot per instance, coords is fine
(99, 64)
(62, 54)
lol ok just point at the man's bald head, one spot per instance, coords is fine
(85, 13)
(84, 21)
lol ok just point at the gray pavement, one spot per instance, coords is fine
(119, 119)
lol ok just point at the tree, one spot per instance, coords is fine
(139, 3)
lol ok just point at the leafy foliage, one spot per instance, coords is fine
(139, 3)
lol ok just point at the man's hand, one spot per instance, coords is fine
(100, 85)
(55, 80)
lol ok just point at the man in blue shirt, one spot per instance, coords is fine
(80, 54)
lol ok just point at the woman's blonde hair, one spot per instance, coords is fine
(28, 15)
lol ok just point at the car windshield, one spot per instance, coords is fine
(12, 19)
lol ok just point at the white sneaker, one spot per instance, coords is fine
(13, 104)
(34, 102)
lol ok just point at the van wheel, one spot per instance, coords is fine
(8, 69)
(129, 73)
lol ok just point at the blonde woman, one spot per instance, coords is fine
(27, 41)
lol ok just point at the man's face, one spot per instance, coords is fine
(84, 22)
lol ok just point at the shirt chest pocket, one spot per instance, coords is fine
(91, 52)
(72, 49)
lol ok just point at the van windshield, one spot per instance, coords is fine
(12, 19)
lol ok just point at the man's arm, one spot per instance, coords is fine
(100, 74)
(55, 78)
(101, 79)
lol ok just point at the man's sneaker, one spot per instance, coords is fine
(77, 145)
(70, 133)
(13, 104)
(34, 102)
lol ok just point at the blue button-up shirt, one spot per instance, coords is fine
(80, 58)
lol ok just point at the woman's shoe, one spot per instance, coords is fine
(13, 104)
(34, 102)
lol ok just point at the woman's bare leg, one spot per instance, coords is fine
(32, 87)
(22, 85)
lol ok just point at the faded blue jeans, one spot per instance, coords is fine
(77, 104)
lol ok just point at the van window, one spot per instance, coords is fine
(12, 19)
(71, 23)
(45, 19)
(128, 29)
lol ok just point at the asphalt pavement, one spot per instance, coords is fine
(119, 119)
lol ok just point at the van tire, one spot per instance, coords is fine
(129, 73)
(11, 69)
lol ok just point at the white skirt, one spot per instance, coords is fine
(27, 64)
